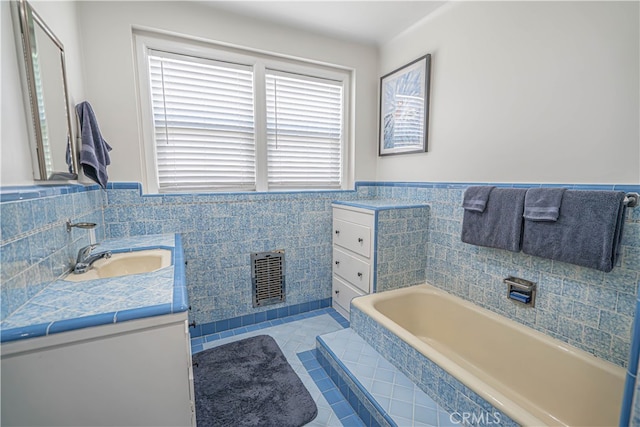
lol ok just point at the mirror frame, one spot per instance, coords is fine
(28, 18)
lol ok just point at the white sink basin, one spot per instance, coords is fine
(124, 264)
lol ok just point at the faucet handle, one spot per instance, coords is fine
(85, 251)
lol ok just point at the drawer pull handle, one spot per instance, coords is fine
(337, 231)
(360, 240)
(337, 292)
(360, 275)
(337, 262)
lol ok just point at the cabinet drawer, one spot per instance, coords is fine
(355, 237)
(353, 270)
(343, 293)
(349, 215)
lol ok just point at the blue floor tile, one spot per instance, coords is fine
(343, 409)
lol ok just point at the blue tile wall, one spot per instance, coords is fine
(584, 307)
(401, 258)
(291, 312)
(219, 233)
(35, 246)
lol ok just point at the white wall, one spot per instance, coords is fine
(521, 91)
(61, 18)
(526, 92)
(110, 75)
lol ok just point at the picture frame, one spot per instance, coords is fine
(404, 108)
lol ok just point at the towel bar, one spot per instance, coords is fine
(631, 199)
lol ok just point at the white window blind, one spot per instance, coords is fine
(203, 116)
(304, 131)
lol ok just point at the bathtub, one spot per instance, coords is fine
(532, 378)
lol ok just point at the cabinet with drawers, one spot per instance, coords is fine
(378, 245)
(353, 250)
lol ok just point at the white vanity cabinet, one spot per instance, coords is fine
(133, 373)
(353, 255)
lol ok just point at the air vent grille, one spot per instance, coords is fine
(268, 278)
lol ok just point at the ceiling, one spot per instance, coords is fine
(373, 22)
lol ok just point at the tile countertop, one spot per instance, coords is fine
(64, 306)
(381, 204)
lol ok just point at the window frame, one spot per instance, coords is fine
(145, 41)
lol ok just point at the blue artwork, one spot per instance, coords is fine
(404, 107)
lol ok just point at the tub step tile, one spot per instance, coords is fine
(378, 392)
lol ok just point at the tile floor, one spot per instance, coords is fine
(296, 336)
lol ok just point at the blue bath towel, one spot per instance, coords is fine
(543, 204)
(476, 197)
(94, 153)
(587, 233)
(67, 156)
(500, 225)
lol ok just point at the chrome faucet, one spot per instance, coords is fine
(86, 259)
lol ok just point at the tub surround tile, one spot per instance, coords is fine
(375, 389)
(401, 249)
(437, 384)
(581, 296)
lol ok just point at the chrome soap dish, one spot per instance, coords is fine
(521, 291)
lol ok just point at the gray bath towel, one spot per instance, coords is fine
(476, 197)
(587, 232)
(94, 153)
(543, 204)
(500, 225)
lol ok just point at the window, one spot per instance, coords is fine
(203, 124)
(304, 132)
(219, 120)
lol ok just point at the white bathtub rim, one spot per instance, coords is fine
(490, 394)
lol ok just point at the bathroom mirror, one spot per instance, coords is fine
(52, 143)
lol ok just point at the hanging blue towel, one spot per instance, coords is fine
(67, 155)
(500, 225)
(476, 197)
(587, 233)
(94, 153)
(543, 204)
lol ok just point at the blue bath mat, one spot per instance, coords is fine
(249, 383)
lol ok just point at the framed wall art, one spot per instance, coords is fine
(404, 108)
